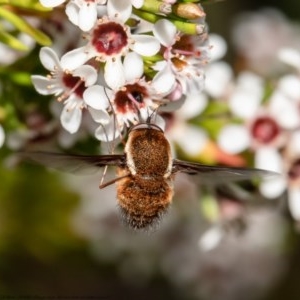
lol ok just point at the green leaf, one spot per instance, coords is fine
(25, 27)
(28, 4)
(12, 42)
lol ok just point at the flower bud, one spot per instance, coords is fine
(188, 11)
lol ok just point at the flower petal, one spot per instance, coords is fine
(145, 45)
(51, 3)
(194, 104)
(137, 3)
(211, 238)
(72, 11)
(130, 60)
(96, 97)
(2, 136)
(120, 9)
(75, 58)
(49, 59)
(99, 116)
(87, 16)
(165, 32)
(71, 119)
(164, 81)
(247, 97)
(107, 132)
(294, 202)
(290, 56)
(87, 73)
(273, 188)
(290, 86)
(219, 47)
(44, 87)
(234, 139)
(284, 111)
(217, 79)
(268, 158)
(114, 74)
(191, 139)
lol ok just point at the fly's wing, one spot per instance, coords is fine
(218, 174)
(76, 164)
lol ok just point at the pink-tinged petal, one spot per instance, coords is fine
(114, 74)
(49, 59)
(75, 58)
(165, 32)
(2, 136)
(107, 132)
(99, 116)
(71, 119)
(44, 86)
(145, 45)
(137, 3)
(136, 72)
(51, 3)
(72, 11)
(87, 16)
(294, 202)
(87, 73)
(96, 97)
(234, 139)
(164, 81)
(290, 56)
(120, 9)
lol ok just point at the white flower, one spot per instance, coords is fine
(261, 124)
(68, 85)
(261, 130)
(132, 98)
(185, 56)
(110, 40)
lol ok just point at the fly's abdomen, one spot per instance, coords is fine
(143, 201)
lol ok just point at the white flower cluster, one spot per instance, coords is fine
(127, 67)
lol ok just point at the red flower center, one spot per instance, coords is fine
(130, 99)
(265, 130)
(74, 83)
(109, 38)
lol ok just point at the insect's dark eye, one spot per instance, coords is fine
(137, 96)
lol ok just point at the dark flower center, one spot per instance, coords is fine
(109, 38)
(131, 98)
(185, 46)
(265, 130)
(74, 83)
(294, 172)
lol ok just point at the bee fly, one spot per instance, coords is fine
(145, 173)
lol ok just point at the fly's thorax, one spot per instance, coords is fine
(148, 152)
